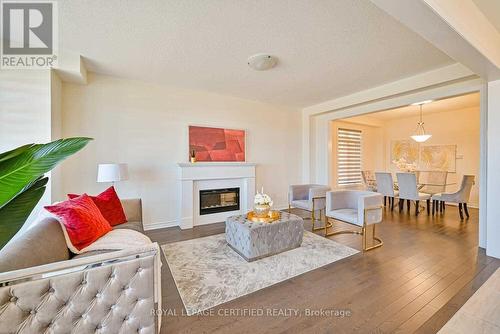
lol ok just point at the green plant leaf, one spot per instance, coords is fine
(26, 164)
(14, 214)
(11, 154)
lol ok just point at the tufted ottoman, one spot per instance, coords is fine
(257, 240)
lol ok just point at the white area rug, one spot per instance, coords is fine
(208, 272)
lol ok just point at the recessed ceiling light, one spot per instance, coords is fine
(262, 62)
(421, 102)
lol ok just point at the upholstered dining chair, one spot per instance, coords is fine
(434, 183)
(308, 197)
(355, 207)
(461, 197)
(408, 191)
(369, 180)
(385, 186)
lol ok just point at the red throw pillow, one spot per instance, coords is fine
(110, 206)
(82, 219)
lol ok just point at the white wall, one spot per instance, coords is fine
(24, 107)
(493, 167)
(56, 131)
(145, 126)
(25, 115)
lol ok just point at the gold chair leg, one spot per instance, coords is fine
(374, 238)
(364, 246)
(325, 221)
(363, 242)
(330, 224)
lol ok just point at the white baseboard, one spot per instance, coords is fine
(280, 207)
(158, 225)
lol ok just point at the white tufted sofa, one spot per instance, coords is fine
(104, 292)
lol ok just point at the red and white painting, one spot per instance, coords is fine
(216, 144)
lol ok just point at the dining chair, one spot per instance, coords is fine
(434, 182)
(408, 190)
(369, 180)
(461, 197)
(385, 186)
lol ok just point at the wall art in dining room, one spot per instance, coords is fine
(439, 157)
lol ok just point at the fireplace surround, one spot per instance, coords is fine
(194, 178)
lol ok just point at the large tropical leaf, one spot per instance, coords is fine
(19, 168)
(14, 214)
(10, 154)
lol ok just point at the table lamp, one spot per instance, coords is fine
(112, 173)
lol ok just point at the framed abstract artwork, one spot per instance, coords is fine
(404, 149)
(439, 157)
(216, 144)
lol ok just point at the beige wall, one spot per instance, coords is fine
(56, 131)
(457, 127)
(145, 126)
(372, 150)
(24, 107)
(25, 115)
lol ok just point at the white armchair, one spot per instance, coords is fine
(359, 208)
(308, 197)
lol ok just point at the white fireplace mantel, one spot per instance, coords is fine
(193, 177)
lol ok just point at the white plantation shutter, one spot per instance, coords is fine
(348, 157)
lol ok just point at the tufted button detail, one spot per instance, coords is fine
(13, 299)
(98, 295)
(51, 290)
(33, 312)
(84, 282)
(139, 270)
(126, 318)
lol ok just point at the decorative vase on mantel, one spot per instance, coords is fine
(262, 204)
(192, 157)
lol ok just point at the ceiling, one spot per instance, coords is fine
(449, 104)
(490, 9)
(326, 49)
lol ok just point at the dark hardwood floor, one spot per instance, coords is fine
(425, 271)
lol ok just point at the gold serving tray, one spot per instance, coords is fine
(273, 216)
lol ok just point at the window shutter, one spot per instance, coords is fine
(349, 157)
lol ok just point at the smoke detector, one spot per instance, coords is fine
(262, 62)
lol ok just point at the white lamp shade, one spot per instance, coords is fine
(112, 172)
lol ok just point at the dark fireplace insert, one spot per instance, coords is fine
(219, 200)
